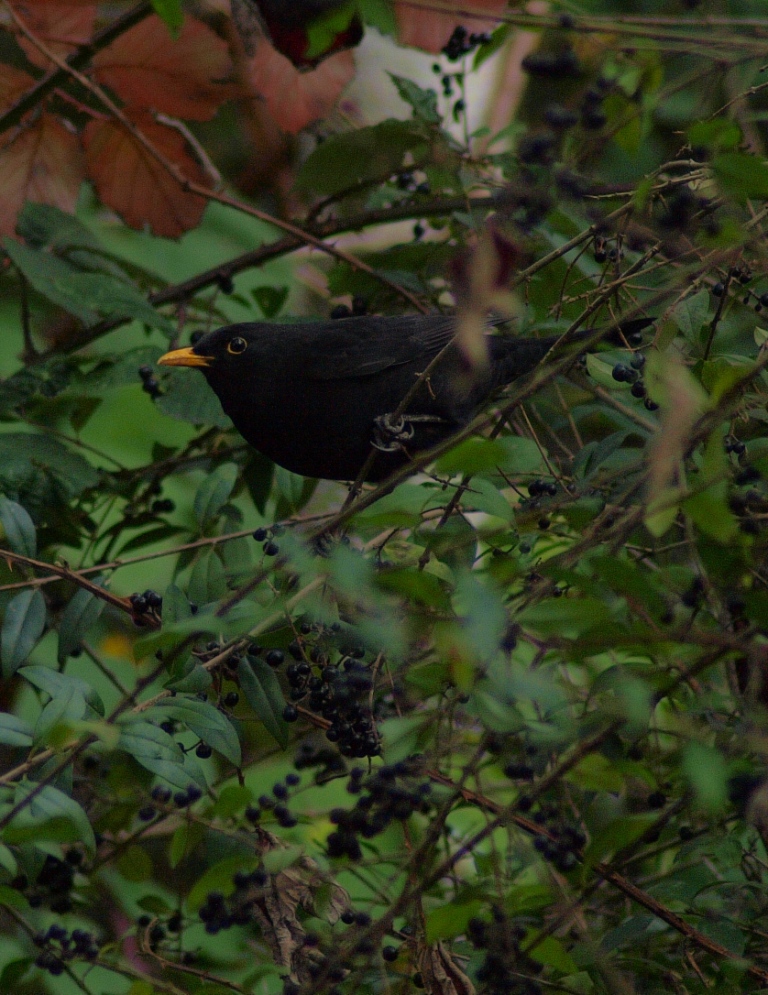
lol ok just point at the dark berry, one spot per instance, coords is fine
(260, 534)
(271, 548)
(203, 751)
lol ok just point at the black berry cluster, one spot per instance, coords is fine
(219, 913)
(505, 969)
(148, 603)
(461, 43)
(591, 113)
(267, 537)
(58, 946)
(563, 841)
(53, 884)
(163, 797)
(554, 65)
(632, 374)
(392, 792)
(540, 488)
(537, 147)
(149, 382)
(275, 803)
(329, 762)
(339, 692)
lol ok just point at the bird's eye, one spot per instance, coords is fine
(237, 345)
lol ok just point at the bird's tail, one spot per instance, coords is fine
(512, 358)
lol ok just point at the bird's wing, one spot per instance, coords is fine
(361, 347)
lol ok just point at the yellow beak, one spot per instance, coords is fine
(184, 357)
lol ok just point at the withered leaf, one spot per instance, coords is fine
(184, 76)
(134, 184)
(41, 161)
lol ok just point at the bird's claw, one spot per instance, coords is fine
(390, 433)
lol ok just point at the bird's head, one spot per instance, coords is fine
(223, 351)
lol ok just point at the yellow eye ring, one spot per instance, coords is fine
(237, 345)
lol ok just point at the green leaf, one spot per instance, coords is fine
(423, 102)
(567, 618)
(18, 527)
(707, 773)
(262, 691)
(323, 30)
(176, 606)
(48, 275)
(49, 804)
(214, 493)
(23, 625)
(270, 299)
(54, 684)
(184, 842)
(617, 835)
(484, 618)
(171, 12)
(473, 456)
(40, 471)
(358, 158)
(145, 741)
(718, 133)
(690, 314)
(449, 920)
(42, 225)
(207, 582)
(67, 707)
(111, 298)
(80, 615)
(14, 731)
(190, 400)
(204, 720)
(741, 175)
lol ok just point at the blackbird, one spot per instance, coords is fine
(316, 396)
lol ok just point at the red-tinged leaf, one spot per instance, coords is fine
(41, 162)
(182, 76)
(62, 27)
(296, 99)
(431, 29)
(13, 82)
(134, 184)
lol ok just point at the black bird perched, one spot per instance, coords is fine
(315, 396)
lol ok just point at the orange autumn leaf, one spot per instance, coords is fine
(130, 180)
(41, 162)
(296, 99)
(431, 29)
(62, 27)
(184, 76)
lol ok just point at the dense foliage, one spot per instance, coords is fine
(497, 725)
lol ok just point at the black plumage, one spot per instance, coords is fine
(315, 396)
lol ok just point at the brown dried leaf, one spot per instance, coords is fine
(41, 162)
(430, 29)
(296, 99)
(440, 972)
(276, 909)
(182, 76)
(13, 82)
(62, 27)
(683, 401)
(134, 184)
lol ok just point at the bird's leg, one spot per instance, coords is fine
(389, 433)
